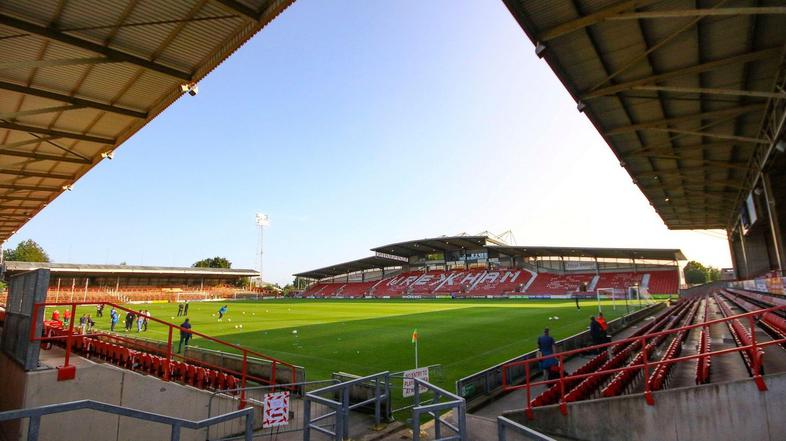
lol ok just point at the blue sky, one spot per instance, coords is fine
(354, 124)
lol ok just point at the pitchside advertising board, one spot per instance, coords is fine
(772, 285)
(409, 382)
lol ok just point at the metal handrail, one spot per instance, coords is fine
(244, 351)
(341, 408)
(503, 424)
(35, 413)
(646, 365)
(456, 403)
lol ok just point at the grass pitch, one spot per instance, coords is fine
(367, 336)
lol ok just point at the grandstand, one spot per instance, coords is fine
(482, 266)
(133, 283)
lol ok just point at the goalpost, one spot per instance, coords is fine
(633, 294)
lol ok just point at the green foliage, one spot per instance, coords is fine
(696, 273)
(694, 276)
(27, 251)
(213, 262)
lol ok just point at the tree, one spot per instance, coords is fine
(213, 262)
(695, 276)
(26, 251)
(696, 273)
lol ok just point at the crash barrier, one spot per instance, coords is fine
(485, 384)
(434, 407)
(339, 405)
(34, 415)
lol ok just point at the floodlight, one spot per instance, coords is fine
(539, 48)
(191, 88)
(581, 106)
(780, 146)
(68, 187)
(263, 220)
(108, 155)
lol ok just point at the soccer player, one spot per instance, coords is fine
(185, 308)
(221, 311)
(114, 317)
(179, 309)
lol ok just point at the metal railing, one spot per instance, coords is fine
(255, 396)
(646, 365)
(342, 405)
(455, 403)
(504, 424)
(275, 364)
(490, 381)
(34, 415)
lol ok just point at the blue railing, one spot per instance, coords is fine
(504, 424)
(34, 415)
(455, 403)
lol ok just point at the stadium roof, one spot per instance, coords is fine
(607, 253)
(88, 269)
(78, 78)
(366, 263)
(436, 245)
(688, 98)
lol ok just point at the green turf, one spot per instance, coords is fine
(368, 336)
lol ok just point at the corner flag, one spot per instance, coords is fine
(414, 336)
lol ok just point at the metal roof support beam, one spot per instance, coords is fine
(703, 67)
(241, 8)
(35, 174)
(768, 10)
(23, 198)
(72, 100)
(732, 112)
(591, 19)
(13, 115)
(52, 63)
(27, 142)
(679, 149)
(56, 133)
(21, 187)
(710, 91)
(709, 135)
(112, 54)
(43, 156)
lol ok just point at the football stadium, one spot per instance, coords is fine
(453, 337)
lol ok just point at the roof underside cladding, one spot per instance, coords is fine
(677, 92)
(78, 77)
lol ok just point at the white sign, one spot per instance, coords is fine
(409, 382)
(276, 411)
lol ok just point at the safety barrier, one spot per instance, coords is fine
(342, 406)
(255, 397)
(68, 371)
(504, 424)
(34, 415)
(751, 347)
(487, 383)
(455, 404)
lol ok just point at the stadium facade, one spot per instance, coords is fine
(482, 266)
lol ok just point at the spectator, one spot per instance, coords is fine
(129, 320)
(179, 309)
(185, 334)
(56, 315)
(83, 323)
(596, 332)
(114, 317)
(221, 311)
(546, 346)
(185, 309)
(602, 322)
